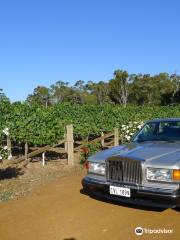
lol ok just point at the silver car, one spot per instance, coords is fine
(144, 172)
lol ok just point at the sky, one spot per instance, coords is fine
(44, 41)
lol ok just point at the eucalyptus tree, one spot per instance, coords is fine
(60, 91)
(40, 95)
(100, 91)
(119, 87)
(152, 90)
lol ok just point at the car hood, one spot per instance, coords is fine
(153, 153)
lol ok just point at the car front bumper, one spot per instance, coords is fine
(139, 196)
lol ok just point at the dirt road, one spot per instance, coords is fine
(59, 211)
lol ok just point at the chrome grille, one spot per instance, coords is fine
(124, 170)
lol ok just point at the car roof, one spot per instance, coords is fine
(164, 120)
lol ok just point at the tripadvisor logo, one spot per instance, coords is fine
(138, 231)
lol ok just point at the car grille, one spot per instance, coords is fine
(124, 170)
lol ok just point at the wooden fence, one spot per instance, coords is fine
(67, 145)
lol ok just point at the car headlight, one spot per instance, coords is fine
(96, 168)
(159, 174)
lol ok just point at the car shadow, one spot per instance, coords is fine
(177, 209)
(71, 238)
(144, 208)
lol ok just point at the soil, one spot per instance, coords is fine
(58, 210)
(16, 183)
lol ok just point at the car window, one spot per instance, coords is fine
(148, 130)
(154, 131)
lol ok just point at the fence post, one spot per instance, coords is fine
(102, 140)
(116, 137)
(9, 144)
(26, 151)
(43, 159)
(65, 144)
(70, 145)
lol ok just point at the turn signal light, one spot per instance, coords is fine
(176, 174)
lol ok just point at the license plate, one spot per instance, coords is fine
(120, 191)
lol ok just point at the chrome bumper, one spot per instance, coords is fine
(139, 196)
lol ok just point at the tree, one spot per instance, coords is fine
(60, 91)
(139, 89)
(165, 88)
(3, 97)
(100, 90)
(119, 88)
(176, 93)
(78, 92)
(124, 88)
(40, 96)
(80, 85)
(151, 90)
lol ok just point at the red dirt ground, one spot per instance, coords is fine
(58, 211)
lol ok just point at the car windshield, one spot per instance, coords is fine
(159, 131)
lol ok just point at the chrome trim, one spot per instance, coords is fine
(124, 170)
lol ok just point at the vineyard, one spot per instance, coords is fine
(40, 126)
(62, 135)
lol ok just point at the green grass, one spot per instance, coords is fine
(6, 195)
